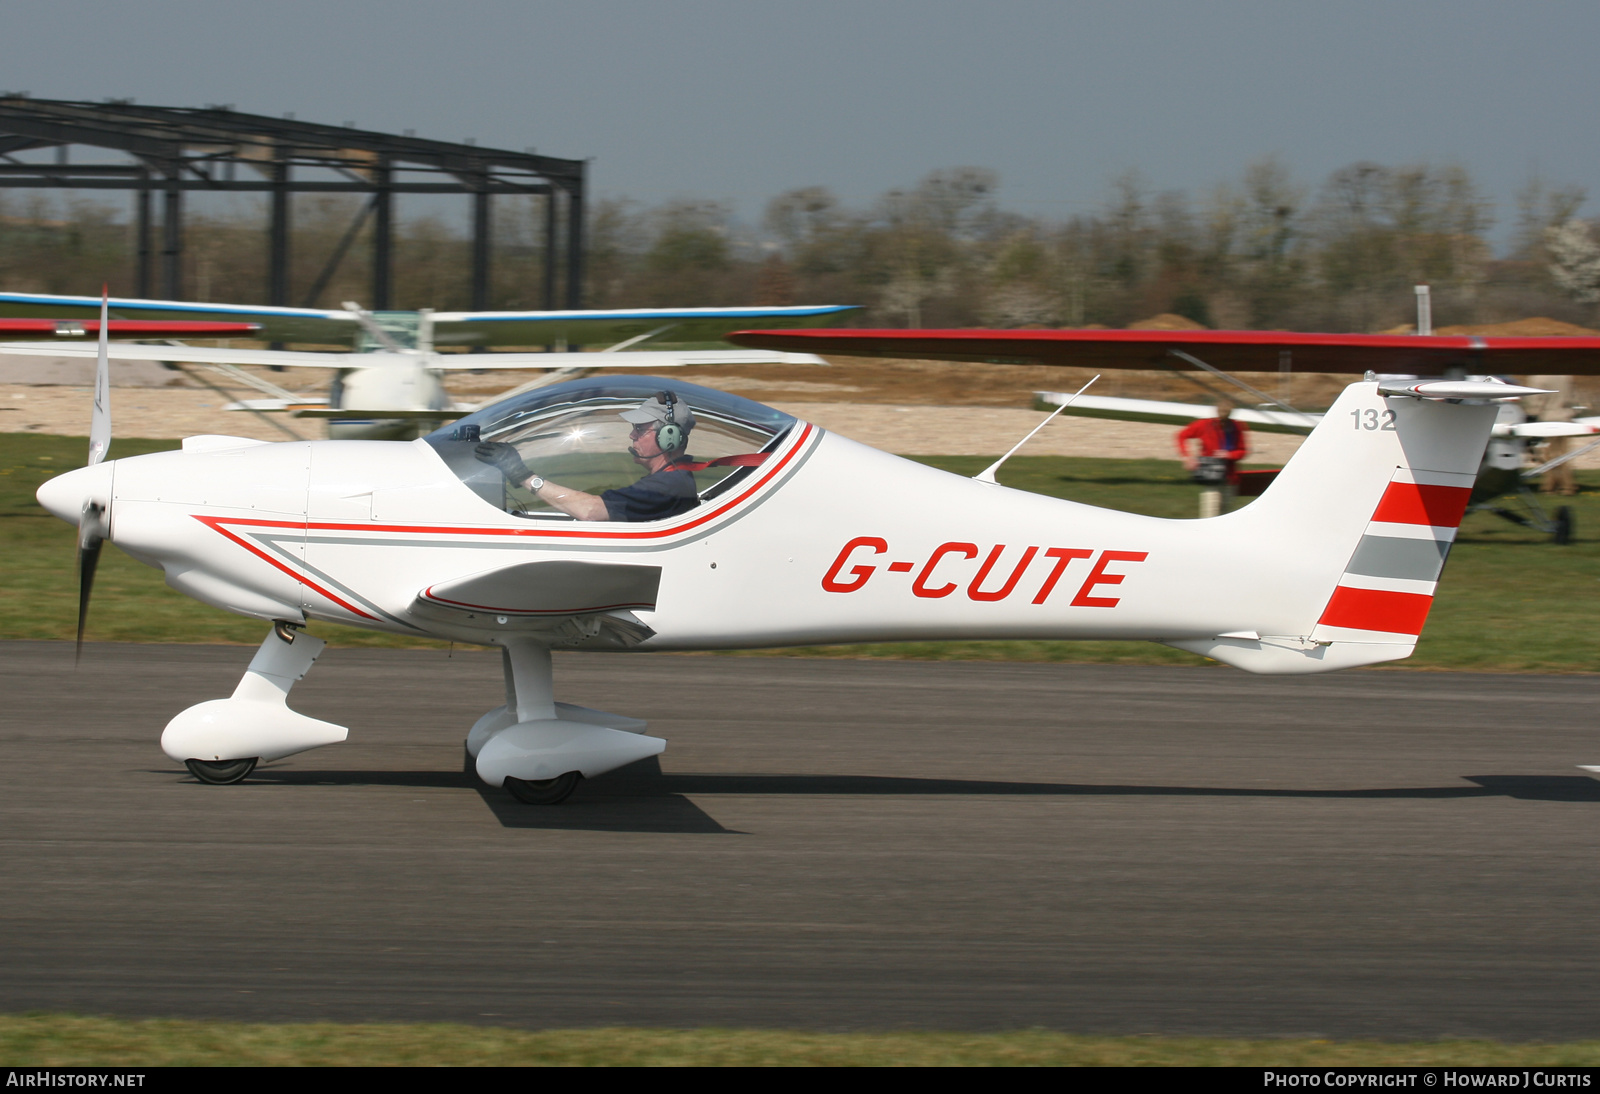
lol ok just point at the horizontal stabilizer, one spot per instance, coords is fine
(1268, 656)
(1458, 389)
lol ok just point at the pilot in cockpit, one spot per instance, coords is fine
(660, 442)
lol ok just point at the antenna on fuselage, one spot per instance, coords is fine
(988, 473)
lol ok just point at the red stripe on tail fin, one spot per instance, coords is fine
(1413, 503)
(1376, 610)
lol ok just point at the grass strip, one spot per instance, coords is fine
(44, 1040)
(1509, 600)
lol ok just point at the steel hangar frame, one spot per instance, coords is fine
(176, 150)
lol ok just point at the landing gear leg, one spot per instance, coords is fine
(222, 740)
(1562, 532)
(539, 749)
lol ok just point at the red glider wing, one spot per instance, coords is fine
(1229, 350)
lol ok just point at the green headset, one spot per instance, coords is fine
(670, 436)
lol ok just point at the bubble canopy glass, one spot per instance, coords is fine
(571, 434)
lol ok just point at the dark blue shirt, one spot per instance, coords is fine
(667, 493)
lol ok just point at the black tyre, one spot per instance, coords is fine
(1565, 525)
(543, 791)
(221, 772)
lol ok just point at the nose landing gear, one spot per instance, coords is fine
(222, 740)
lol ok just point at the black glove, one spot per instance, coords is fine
(505, 457)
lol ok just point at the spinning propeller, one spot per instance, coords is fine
(94, 525)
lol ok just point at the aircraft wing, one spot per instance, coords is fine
(124, 328)
(277, 324)
(483, 328)
(1581, 427)
(477, 362)
(533, 328)
(1229, 350)
(652, 359)
(1154, 410)
(206, 355)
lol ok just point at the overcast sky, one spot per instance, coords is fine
(743, 99)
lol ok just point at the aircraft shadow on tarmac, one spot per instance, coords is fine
(643, 798)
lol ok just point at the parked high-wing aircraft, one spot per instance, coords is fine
(1389, 357)
(1503, 472)
(390, 382)
(633, 513)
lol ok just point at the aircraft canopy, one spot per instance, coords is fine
(572, 434)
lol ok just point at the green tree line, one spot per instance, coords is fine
(1261, 251)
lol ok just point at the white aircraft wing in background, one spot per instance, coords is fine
(475, 362)
(333, 326)
(1266, 420)
(1164, 413)
(392, 383)
(613, 325)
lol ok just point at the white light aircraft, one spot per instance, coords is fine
(392, 382)
(750, 529)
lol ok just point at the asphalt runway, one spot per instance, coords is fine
(824, 845)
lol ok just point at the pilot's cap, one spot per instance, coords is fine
(656, 411)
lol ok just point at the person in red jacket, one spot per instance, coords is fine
(1215, 438)
(1211, 449)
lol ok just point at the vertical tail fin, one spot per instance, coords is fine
(1388, 584)
(1353, 533)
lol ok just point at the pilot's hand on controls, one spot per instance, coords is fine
(505, 457)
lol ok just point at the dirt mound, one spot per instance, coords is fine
(1167, 321)
(1536, 327)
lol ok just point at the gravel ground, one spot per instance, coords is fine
(41, 395)
(910, 430)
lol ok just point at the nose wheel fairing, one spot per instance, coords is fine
(255, 723)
